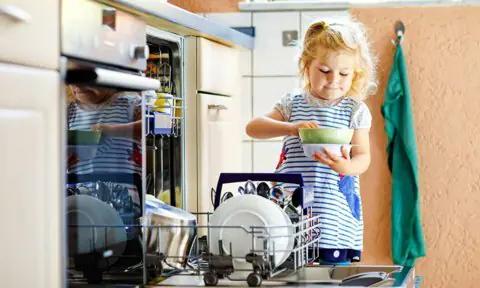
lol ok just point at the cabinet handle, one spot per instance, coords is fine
(14, 13)
(217, 107)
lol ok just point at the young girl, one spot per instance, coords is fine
(338, 72)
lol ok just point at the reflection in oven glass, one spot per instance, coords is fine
(104, 167)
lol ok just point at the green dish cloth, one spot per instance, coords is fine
(407, 236)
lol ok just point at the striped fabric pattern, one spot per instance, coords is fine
(339, 228)
(114, 154)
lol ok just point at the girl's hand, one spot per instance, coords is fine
(339, 164)
(301, 124)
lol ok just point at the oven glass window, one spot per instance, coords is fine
(103, 178)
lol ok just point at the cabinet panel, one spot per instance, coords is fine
(30, 198)
(29, 32)
(219, 145)
(217, 68)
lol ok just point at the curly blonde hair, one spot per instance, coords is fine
(346, 36)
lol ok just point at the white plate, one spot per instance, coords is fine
(88, 211)
(310, 149)
(247, 211)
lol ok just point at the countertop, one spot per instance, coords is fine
(174, 19)
(403, 278)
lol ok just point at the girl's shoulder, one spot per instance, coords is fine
(287, 101)
(361, 116)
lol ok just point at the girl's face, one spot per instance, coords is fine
(330, 74)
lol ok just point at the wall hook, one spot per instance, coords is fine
(399, 32)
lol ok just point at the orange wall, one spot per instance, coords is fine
(442, 45)
(207, 6)
(443, 49)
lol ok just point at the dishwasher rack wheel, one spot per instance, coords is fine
(210, 278)
(254, 279)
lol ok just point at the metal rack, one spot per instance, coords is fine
(165, 102)
(201, 261)
(305, 233)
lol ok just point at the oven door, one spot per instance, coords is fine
(105, 168)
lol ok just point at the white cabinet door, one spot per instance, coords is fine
(30, 178)
(219, 145)
(30, 32)
(217, 68)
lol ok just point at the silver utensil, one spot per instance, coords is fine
(250, 187)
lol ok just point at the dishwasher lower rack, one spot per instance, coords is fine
(157, 257)
(254, 267)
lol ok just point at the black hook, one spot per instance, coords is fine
(399, 31)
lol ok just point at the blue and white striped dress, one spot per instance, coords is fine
(115, 155)
(340, 214)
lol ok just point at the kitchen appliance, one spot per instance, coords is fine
(213, 266)
(108, 56)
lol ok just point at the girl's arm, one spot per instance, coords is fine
(354, 164)
(273, 125)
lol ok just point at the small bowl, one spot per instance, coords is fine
(325, 135)
(83, 137)
(310, 149)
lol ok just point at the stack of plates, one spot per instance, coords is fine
(249, 211)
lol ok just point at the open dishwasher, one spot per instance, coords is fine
(212, 264)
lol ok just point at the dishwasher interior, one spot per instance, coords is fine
(114, 162)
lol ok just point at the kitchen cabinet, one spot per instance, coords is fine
(217, 67)
(219, 142)
(30, 32)
(30, 177)
(213, 122)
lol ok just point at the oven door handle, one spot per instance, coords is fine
(110, 78)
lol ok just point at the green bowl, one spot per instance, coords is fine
(325, 135)
(83, 137)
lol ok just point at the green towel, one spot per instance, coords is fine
(407, 236)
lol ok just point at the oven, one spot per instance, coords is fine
(124, 137)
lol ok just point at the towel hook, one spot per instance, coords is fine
(399, 32)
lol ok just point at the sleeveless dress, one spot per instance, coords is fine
(336, 197)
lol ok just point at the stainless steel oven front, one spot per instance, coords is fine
(104, 58)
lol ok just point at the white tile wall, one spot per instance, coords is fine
(247, 150)
(268, 90)
(246, 103)
(308, 17)
(266, 155)
(270, 57)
